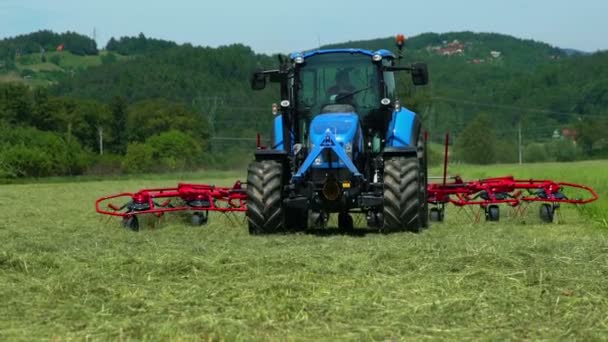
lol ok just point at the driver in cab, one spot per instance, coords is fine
(342, 87)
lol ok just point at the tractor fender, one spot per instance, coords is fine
(403, 129)
(277, 133)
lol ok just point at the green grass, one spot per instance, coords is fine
(68, 274)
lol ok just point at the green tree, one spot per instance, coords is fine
(118, 107)
(152, 117)
(476, 143)
(139, 158)
(175, 150)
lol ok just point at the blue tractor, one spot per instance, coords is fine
(342, 144)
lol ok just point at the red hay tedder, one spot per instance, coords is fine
(200, 199)
(490, 192)
(487, 194)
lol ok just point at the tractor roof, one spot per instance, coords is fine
(384, 53)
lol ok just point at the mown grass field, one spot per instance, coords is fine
(68, 274)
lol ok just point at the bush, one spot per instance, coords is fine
(506, 152)
(55, 59)
(174, 150)
(536, 153)
(139, 158)
(107, 164)
(564, 150)
(108, 58)
(28, 152)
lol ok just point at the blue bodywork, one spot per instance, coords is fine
(400, 128)
(344, 127)
(277, 143)
(384, 53)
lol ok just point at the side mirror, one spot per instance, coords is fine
(258, 81)
(420, 74)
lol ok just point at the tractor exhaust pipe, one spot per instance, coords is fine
(331, 190)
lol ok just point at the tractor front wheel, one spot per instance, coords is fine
(403, 202)
(264, 197)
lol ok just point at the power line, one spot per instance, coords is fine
(531, 110)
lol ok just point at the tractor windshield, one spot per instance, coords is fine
(338, 79)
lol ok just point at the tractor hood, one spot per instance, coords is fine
(342, 125)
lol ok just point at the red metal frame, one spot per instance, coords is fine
(505, 190)
(220, 199)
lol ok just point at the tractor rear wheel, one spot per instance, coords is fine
(264, 197)
(403, 201)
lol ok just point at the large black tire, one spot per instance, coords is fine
(264, 197)
(402, 195)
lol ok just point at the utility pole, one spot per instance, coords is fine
(100, 134)
(519, 143)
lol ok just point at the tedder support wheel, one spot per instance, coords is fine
(547, 213)
(493, 213)
(264, 197)
(436, 215)
(403, 202)
(131, 222)
(199, 218)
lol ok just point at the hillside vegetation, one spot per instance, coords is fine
(485, 84)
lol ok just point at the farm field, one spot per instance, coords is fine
(68, 274)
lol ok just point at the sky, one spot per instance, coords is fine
(271, 26)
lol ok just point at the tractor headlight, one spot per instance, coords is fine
(299, 60)
(377, 57)
(285, 103)
(385, 101)
(318, 161)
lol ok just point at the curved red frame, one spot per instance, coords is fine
(221, 199)
(462, 193)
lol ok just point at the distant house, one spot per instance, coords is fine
(569, 133)
(449, 49)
